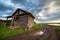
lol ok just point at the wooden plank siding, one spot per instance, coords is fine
(23, 20)
(30, 21)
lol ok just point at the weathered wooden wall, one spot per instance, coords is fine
(30, 21)
(23, 20)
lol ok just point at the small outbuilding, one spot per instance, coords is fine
(21, 18)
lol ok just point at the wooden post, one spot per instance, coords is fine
(6, 22)
(12, 21)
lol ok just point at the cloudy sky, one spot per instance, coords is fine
(43, 10)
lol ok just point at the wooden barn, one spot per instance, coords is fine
(21, 18)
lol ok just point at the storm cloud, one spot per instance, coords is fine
(43, 10)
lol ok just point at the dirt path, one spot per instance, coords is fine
(45, 33)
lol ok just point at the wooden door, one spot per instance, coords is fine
(23, 21)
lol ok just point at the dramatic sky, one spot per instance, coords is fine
(43, 10)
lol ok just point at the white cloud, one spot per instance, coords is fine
(3, 18)
(41, 15)
(7, 3)
(5, 15)
(49, 11)
(8, 11)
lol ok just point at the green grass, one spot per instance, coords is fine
(6, 32)
(56, 27)
(36, 26)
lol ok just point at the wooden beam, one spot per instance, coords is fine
(6, 22)
(12, 21)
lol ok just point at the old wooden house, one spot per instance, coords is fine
(21, 18)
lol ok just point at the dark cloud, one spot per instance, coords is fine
(34, 6)
(19, 1)
(3, 8)
(31, 5)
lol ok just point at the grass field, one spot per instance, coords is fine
(6, 32)
(56, 27)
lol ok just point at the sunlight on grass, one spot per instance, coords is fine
(56, 27)
(36, 26)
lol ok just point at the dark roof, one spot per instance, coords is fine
(25, 13)
(20, 10)
(8, 17)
